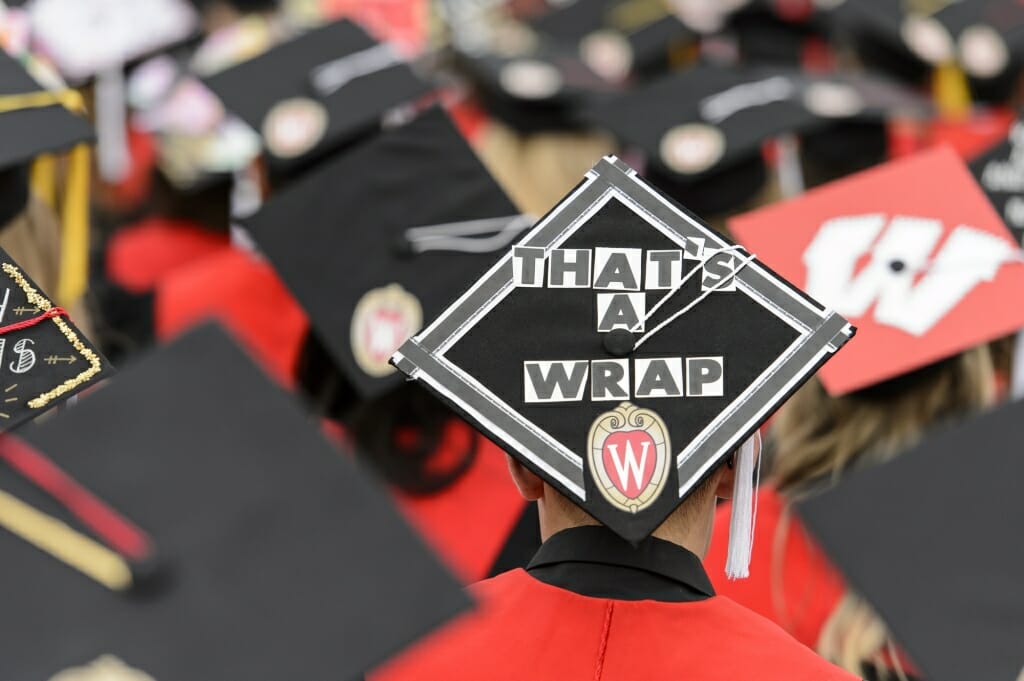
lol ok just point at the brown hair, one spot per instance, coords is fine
(538, 170)
(32, 239)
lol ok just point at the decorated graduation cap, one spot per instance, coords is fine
(958, 613)
(85, 38)
(317, 91)
(44, 358)
(1000, 172)
(198, 143)
(36, 122)
(378, 239)
(218, 536)
(911, 252)
(622, 350)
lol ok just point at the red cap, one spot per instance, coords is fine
(910, 252)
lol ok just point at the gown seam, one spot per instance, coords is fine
(603, 642)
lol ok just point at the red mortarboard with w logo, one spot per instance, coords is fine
(911, 252)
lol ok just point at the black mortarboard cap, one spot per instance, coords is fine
(379, 238)
(986, 38)
(706, 150)
(273, 556)
(1000, 172)
(537, 86)
(318, 91)
(617, 39)
(932, 541)
(859, 138)
(622, 349)
(44, 358)
(32, 126)
(888, 36)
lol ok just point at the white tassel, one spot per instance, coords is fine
(744, 509)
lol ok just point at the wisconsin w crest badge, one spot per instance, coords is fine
(383, 319)
(629, 451)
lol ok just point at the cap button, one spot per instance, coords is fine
(619, 343)
(402, 247)
(151, 576)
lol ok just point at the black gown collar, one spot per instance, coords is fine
(594, 561)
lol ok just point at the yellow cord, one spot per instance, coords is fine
(74, 270)
(65, 544)
(951, 91)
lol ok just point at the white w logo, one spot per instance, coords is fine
(968, 258)
(630, 465)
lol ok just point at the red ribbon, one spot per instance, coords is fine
(117, 531)
(27, 323)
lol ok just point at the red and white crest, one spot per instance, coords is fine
(383, 319)
(629, 453)
(911, 253)
(294, 126)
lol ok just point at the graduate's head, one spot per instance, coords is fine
(623, 352)
(689, 525)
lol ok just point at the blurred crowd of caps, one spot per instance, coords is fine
(703, 95)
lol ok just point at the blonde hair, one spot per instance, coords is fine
(854, 635)
(819, 437)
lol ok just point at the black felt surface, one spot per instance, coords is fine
(284, 561)
(333, 236)
(932, 540)
(250, 89)
(27, 133)
(642, 117)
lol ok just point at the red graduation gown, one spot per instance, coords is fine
(139, 255)
(527, 629)
(244, 293)
(792, 582)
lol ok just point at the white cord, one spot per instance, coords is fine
(451, 236)
(330, 77)
(722, 282)
(743, 518)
